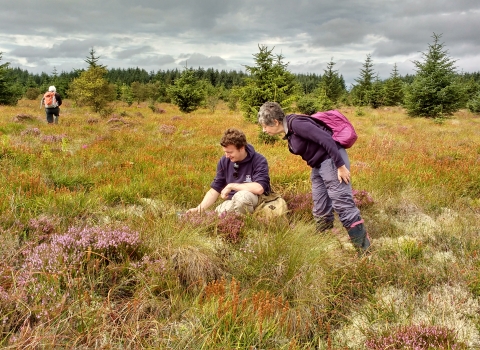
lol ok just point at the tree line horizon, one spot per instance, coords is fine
(435, 90)
(216, 77)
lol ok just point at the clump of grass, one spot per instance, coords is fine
(167, 129)
(194, 268)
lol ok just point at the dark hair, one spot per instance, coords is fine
(269, 112)
(234, 137)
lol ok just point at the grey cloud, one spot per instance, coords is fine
(457, 30)
(200, 60)
(129, 53)
(155, 61)
(226, 33)
(67, 48)
(339, 31)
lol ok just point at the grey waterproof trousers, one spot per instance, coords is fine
(330, 195)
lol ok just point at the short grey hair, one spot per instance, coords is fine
(269, 112)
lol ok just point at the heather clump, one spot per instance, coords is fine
(417, 337)
(167, 129)
(31, 132)
(42, 225)
(298, 202)
(362, 198)
(78, 245)
(230, 226)
(53, 138)
(22, 117)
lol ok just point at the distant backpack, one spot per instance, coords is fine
(342, 130)
(49, 100)
(271, 206)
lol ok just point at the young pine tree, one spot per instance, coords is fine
(269, 80)
(393, 89)
(375, 95)
(188, 92)
(435, 91)
(91, 88)
(332, 83)
(8, 94)
(361, 91)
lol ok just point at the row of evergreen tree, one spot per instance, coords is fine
(436, 89)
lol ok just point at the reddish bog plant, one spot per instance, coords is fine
(228, 225)
(418, 337)
(301, 202)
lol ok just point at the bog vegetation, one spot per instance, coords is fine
(94, 253)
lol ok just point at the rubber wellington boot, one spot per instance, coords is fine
(322, 224)
(358, 236)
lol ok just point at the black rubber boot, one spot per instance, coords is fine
(359, 237)
(323, 225)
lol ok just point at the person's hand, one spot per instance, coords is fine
(225, 192)
(343, 174)
(194, 210)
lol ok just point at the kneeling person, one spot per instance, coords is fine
(242, 177)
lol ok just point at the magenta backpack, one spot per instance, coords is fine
(343, 131)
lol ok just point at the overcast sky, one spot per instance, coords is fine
(38, 35)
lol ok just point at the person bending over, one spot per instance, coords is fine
(330, 175)
(242, 177)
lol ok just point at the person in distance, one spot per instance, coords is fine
(52, 101)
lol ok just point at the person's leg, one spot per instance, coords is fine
(322, 204)
(225, 206)
(49, 115)
(343, 203)
(241, 203)
(244, 202)
(56, 114)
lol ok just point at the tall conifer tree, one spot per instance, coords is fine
(393, 89)
(332, 84)
(8, 95)
(269, 80)
(435, 91)
(361, 91)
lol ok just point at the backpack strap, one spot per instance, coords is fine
(318, 122)
(289, 122)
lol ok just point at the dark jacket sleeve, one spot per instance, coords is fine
(310, 131)
(220, 181)
(58, 98)
(260, 172)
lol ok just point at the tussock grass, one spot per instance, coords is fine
(226, 283)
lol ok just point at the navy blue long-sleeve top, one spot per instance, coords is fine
(311, 141)
(254, 168)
